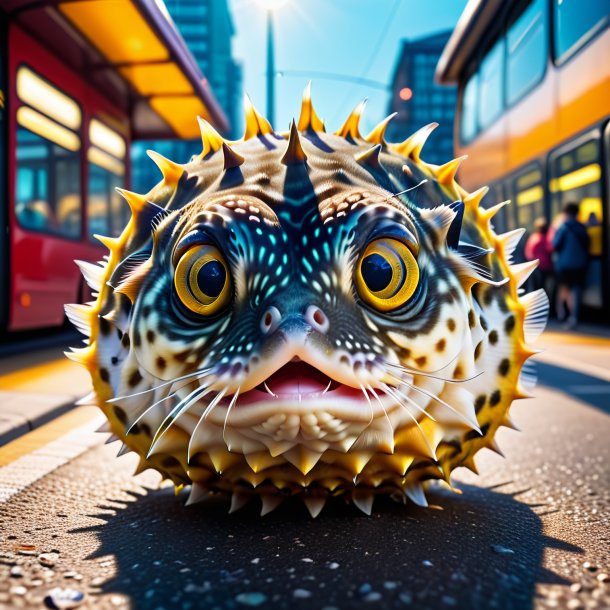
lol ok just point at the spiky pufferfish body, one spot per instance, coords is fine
(391, 393)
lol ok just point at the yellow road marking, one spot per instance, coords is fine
(573, 339)
(58, 374)
(45, 434)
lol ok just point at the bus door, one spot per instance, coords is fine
(575, 176)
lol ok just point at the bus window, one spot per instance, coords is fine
(526, 50)
(47, 186)
(576, 178)
(575, 23)
(468, 125)
(107, 212)
(529, 197)
(491, 84)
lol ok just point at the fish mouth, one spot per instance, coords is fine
(298, 382)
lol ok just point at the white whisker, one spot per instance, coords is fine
(203, 417)
(231, 404)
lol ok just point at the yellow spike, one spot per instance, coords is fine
(473, 200)
(171, 171)
(489, 213)
(470, 464)
(84, 356)
(141, 467)
(294, 152)
(113, 244)
(351, 127)
(308, 119)
(445, 174)
(522, 271)
(493, 445)
(232, 159)
(507, 422)
(135, 201)
(211, 139)
(260, 460)
(412, 146)
(256, 124)
(377, 136)
(222, 460)
(178, 488)
(369, 157)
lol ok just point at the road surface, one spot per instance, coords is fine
(530, 532)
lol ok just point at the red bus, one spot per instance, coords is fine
(75, 91)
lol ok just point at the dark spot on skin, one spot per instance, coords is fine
(493, 337)
(150, 336)
(137, 339)
(509, 325)
(119, 333)
(504, 367)
(494, 399)
(406, 352)
(105, 327)
(170, 462)
(471, 320)
(134, 378)
(421, 361)
(161, 364)
(114, 360)
(479, 403)
(146, 310)
(440, 346)
(487, 297)
(453, 291)
(135, 429)
(458, 373)
(125, 341)
(146, 429)
(120, 415)
(451, 324)
(182, 356)
(484, 325)
(478, 349)
(455, 448)
(473, 434)
(104, 375)
(344, 359)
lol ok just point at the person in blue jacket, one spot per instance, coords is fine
(571, 257)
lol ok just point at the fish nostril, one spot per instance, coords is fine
(317, 318)
(270, 320)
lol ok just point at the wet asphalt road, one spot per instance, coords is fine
(530, 532)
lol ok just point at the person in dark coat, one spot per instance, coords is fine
(571, 256)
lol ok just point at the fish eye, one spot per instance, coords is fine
(387, 274)
(202, 280)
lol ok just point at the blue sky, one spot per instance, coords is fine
(332, 36)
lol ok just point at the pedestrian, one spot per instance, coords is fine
(571, 257)
(539, 247)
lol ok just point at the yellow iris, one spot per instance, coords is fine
(202, 280)
(387, 274)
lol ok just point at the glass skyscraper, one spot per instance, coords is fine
(419, 100)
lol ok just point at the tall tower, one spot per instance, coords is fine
(419, 100)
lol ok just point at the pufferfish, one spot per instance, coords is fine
(308, 314)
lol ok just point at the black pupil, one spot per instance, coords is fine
(376, 272)
(211, 278)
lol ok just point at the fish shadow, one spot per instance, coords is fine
(484, 549)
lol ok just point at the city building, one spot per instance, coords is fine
(419, 100)
(207, 28)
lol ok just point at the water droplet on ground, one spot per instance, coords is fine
(427, 563)
(251, 598)
(64, 599)
(502, 550)
(301, 594)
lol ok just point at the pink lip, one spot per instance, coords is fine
(297, 380)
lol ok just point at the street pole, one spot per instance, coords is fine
(270, 69)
